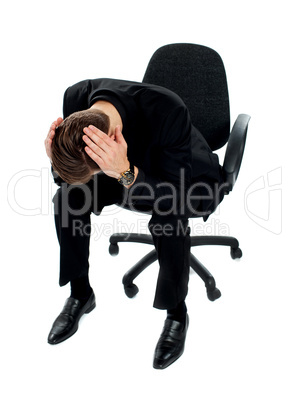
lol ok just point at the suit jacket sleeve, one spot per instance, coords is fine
(174, 164)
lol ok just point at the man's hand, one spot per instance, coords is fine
(110, 155)
(50, 136)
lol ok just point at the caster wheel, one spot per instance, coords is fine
(236, 253)
(113, 249)
(131, 290)
(214, 294)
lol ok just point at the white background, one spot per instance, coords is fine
(236, 347)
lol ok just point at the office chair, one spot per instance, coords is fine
(196, 73)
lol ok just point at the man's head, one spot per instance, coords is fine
(69, 158)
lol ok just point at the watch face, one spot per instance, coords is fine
(127, 178)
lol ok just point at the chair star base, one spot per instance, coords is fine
(213, 293)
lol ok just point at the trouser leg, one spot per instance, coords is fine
(172, 242)
(72, 220)
(73, 206)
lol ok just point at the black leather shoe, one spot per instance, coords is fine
(66, 324)
(171, 343)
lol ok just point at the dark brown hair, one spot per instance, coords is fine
(69, 158)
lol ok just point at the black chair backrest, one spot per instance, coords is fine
(196, 73)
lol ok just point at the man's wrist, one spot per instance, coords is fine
(128, 176)
(119, 174)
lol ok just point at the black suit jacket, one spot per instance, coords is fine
(162, 141)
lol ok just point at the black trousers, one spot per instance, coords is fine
(73, 205)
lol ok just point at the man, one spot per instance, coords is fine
(130, 143)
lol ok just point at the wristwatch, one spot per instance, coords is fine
(127, 177)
